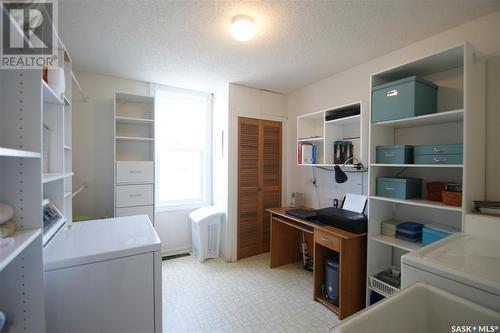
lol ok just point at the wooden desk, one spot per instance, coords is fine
(285, 248)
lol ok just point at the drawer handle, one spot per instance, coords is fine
(135, 195)
(135, 171)
(392, 93)
(324, 239)
(390, 188)
(439, 159)
(389, 154)
(439, 149)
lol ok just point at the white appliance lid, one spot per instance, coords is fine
(468, 259)
(98, 240)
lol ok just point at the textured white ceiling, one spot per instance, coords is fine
(187, 43)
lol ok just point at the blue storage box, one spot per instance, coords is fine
(399, 188)
(433, 232)
(410, 231)
(400, 154)
(439, 154)
(405, 98)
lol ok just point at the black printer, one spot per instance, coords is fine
(343, 219)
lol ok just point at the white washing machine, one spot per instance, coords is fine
(465, 264)
(104, 276)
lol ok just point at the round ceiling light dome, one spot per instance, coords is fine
(242, 28)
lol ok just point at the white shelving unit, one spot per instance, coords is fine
(21, 263)
(134, 155)
(460, 119)
(315, 129)
(30, 171)
(57, 154)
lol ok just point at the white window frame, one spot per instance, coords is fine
(159, 206)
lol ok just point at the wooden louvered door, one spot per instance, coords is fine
(259, 182)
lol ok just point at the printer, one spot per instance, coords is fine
(343, 219)
(349, 217)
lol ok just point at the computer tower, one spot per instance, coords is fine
(332, 280)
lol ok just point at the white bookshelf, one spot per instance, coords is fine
(460, 119)
(29, 172)
(134, 154)
(315, 129)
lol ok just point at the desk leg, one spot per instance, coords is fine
(285, 244)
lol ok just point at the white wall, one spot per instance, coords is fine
(220, 162)
(354, 85)
(93, 158)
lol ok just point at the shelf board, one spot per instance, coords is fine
(396, 242)
(418, 165)
(49, 96)
(428, 119)
(419, 202)
(132, 120)
(8, 152)
(66, 101)
(356, 119)
(327, 165)
(53, 176)
(130, 138)
(22, 238)
(322, 299)
(311, 139)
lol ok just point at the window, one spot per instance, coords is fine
(183, 147)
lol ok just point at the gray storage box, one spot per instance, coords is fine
(399, 188)
(405, 98)
(400, 154)
(438, 154)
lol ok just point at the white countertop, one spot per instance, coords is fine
(99, 240)
(470, 259)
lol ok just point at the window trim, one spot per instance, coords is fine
(162, 207)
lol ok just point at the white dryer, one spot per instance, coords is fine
(465, 264)
(104, 276)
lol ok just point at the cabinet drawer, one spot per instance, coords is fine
(141, 210)
(134, 195)
(134, 172)
(439, 159)
(453, 149)
(327, 239)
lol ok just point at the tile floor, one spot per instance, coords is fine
(245, 296)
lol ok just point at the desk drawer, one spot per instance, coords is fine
(134, 195)
(327, 239)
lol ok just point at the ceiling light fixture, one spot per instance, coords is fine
(242, 28)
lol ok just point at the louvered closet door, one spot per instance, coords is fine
(271, 175)
(259, 183)
(248, 187)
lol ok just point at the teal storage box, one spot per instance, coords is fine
(438, 154)
(399, 188)
(433, 232)
(405, 98)
(400, 154)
